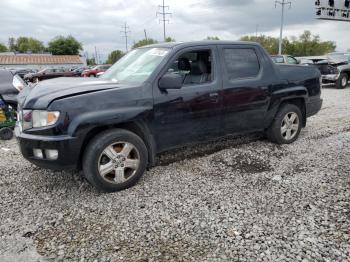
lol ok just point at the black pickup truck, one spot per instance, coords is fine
(160, 97)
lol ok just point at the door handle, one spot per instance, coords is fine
(214, 97)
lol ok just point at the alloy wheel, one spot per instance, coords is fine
(119, 162)
(344, 81)
(290, 126)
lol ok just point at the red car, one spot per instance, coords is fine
(94, 71)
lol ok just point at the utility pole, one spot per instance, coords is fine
(256, 31)
(282, 3)
(96, 58)
(145, 35)
(164, 16)
(125, 31)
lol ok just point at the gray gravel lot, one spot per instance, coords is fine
(235, 199)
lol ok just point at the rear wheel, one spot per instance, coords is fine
(115, 160)
(342, 82)
(286, 126)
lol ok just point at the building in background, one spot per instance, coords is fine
(11, 60)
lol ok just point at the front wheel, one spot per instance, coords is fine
(6, 133)
(342, 82)
(286, 126)
(115, 160)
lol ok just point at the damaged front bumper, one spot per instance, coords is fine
(331, 78)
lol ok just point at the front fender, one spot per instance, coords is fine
(85, 122)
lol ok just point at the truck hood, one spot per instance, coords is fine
(41, 95)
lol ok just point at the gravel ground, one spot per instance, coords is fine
(235, 199)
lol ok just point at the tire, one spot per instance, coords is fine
(278, 131)
(342, 82)
(6, 133)
(105, 153)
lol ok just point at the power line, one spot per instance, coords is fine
(282, 3)
(125, 33)
(164, 16)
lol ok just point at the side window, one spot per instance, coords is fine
(241, 63)
(291, 60)
(194, 66)
(278, 59)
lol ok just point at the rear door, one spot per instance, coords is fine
(245, 88)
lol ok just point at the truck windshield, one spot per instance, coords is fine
(137, 65)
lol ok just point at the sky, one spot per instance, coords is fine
(98, 22)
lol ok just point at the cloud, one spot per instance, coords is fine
(98, 23)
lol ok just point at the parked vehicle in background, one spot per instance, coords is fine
(95, 70)
(335, 69)
(10, 87)
(159, 97)
(284, 59)
(99, 74)
(78, 71)
(23, 71)
(48, 73)
(344, 54)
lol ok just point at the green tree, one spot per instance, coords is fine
(309, 45)
(91, 61)
(61, 45)
(144, 42)
(3, 48)
(114, 56)
(29, 44)
(25, 44)
(304, 45)
(212, 38)
(269, 43)
(169, 39)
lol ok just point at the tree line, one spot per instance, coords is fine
(304, 45)
(115, 55)
(59, 45)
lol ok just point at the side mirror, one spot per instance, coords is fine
(171, 81)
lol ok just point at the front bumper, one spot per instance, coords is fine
(68, 150)
(332, 78)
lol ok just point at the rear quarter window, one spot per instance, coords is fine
(241, 63)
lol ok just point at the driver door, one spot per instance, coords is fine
(192, 113)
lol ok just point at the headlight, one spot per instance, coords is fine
(333, 70)
(44, 118)
(39, 118)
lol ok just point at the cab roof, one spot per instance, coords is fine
(199, 43)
